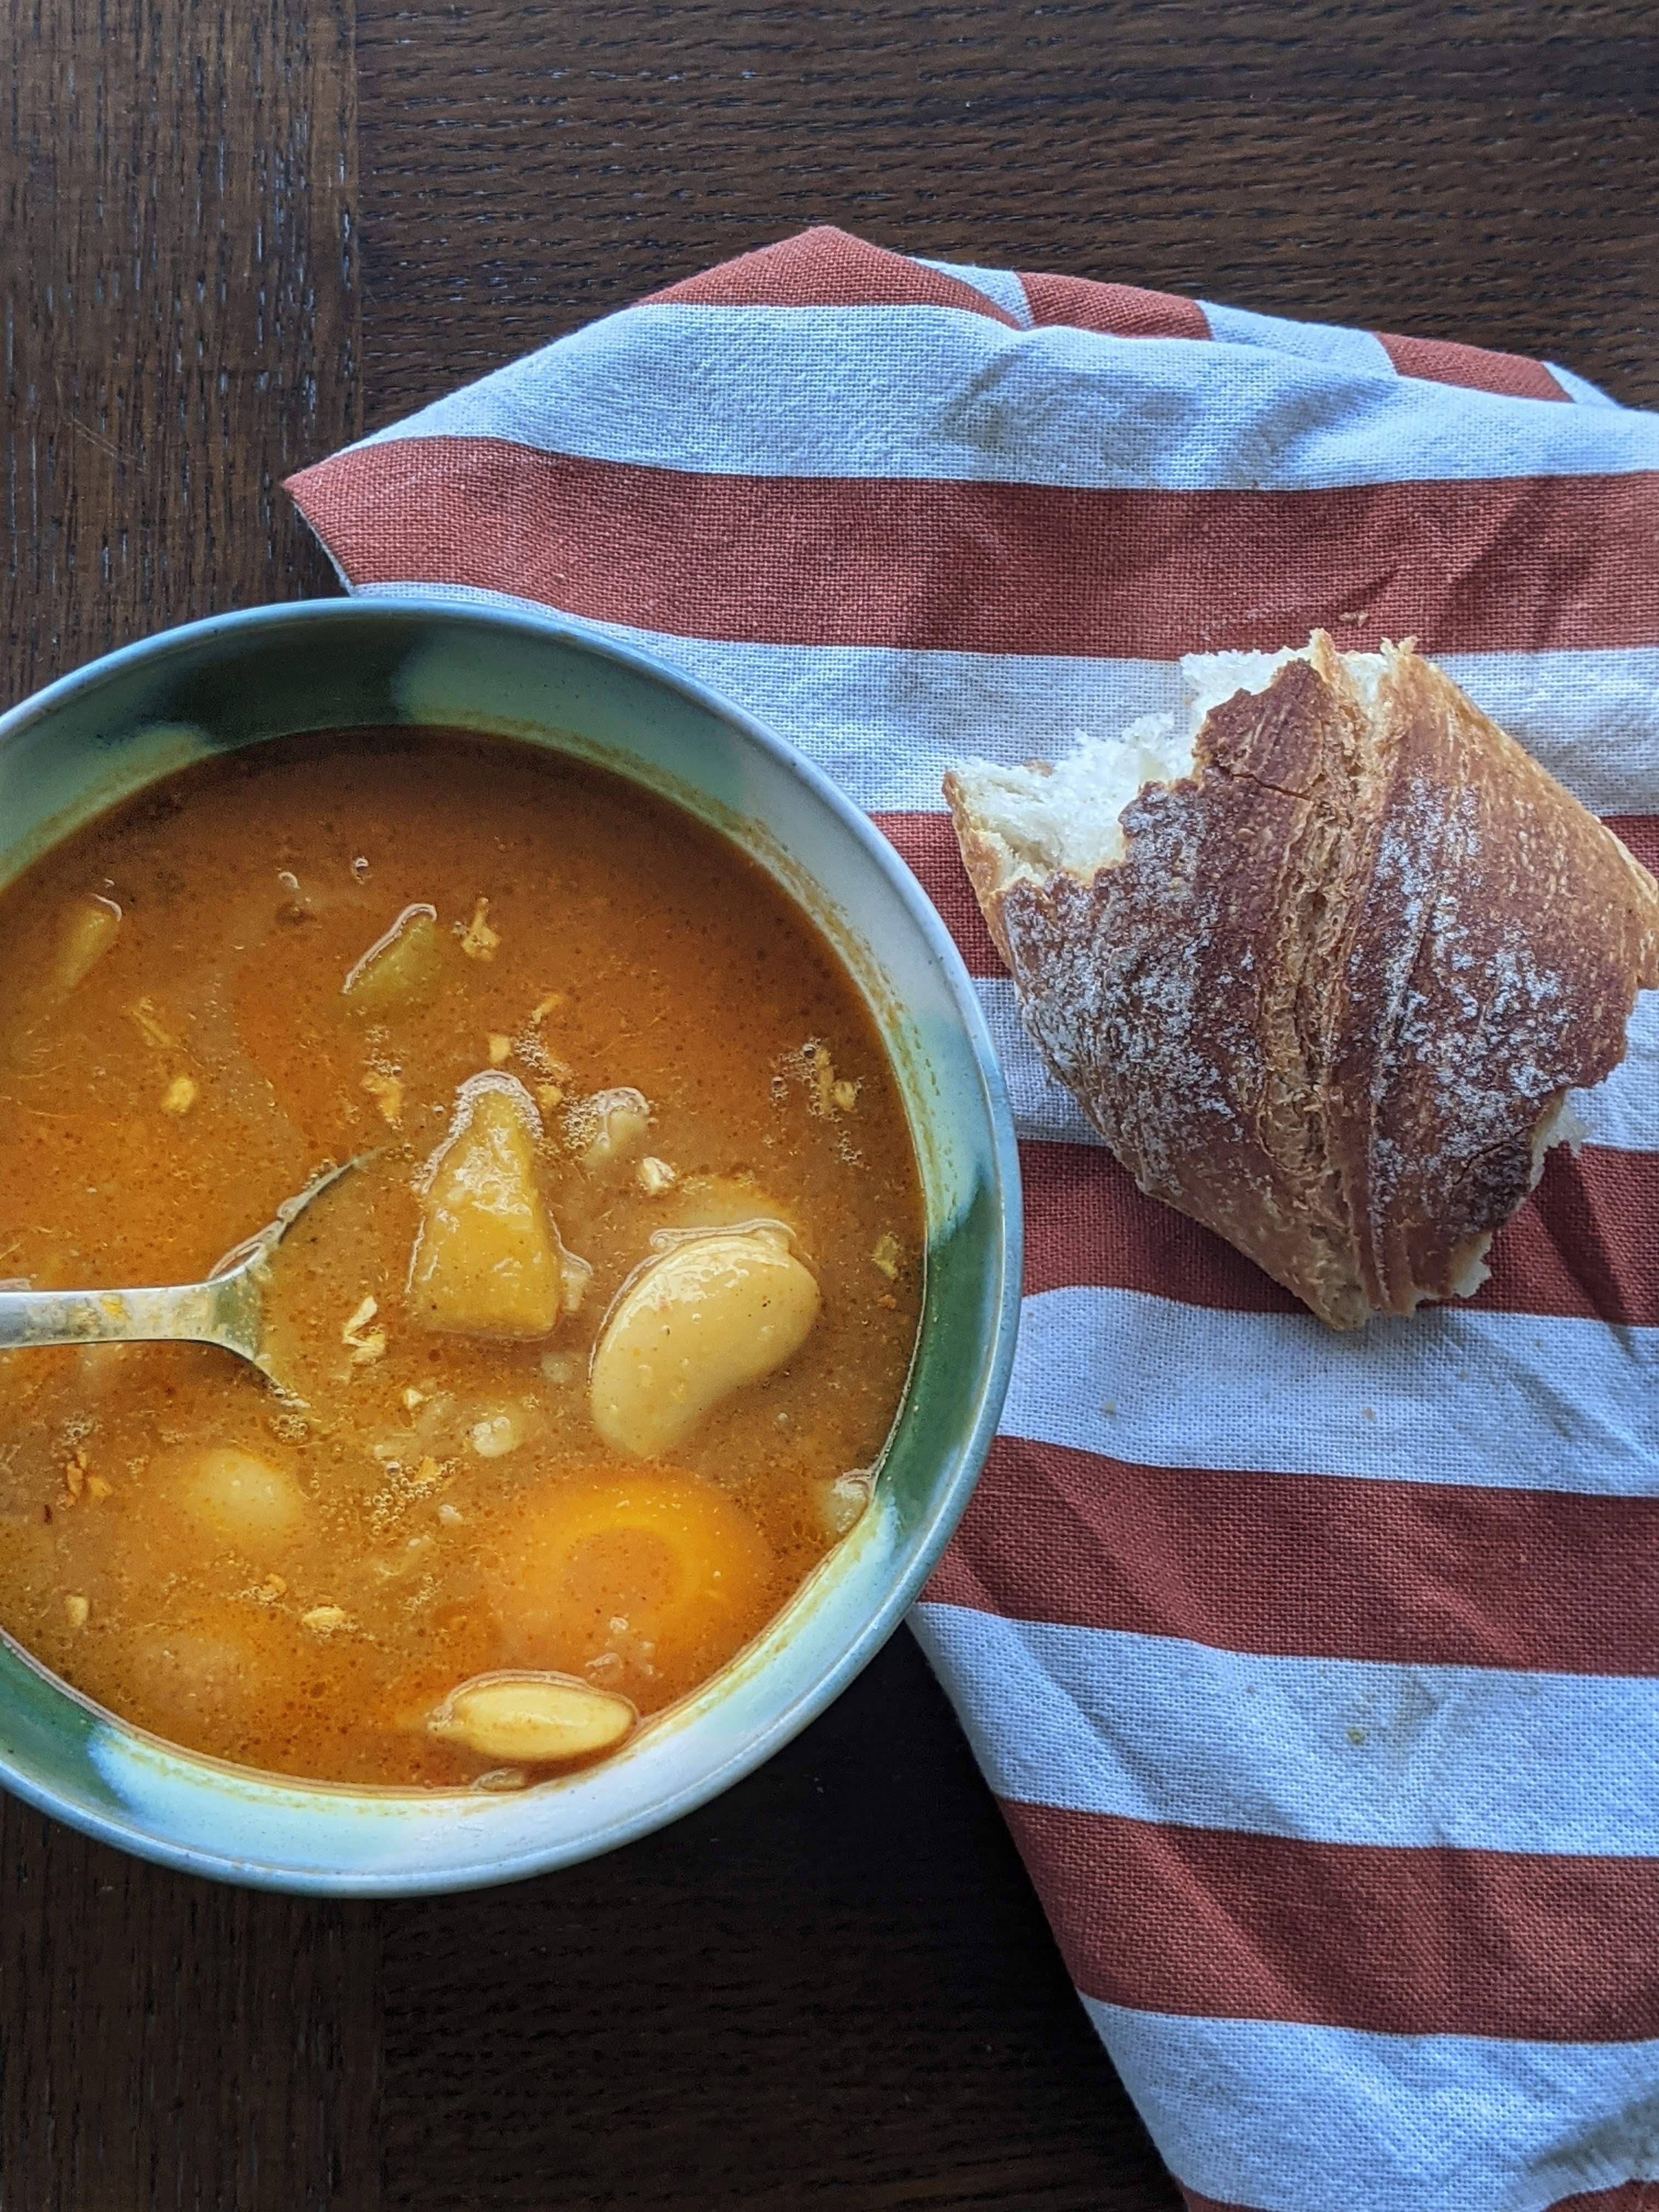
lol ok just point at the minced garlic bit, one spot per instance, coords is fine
(97, 1487)
(77, 1610)
(887, 1254)
(388, 1094)
(75, 1476)
(549, 1095)
(412, 1397)
(549, 1005)
(326, 1619)
(478, 939)
(450, 1515)
(367, 1344)
(501, 1049)
(812, 1064)
(180, 1096)
(654, 1176)
(144, 1012)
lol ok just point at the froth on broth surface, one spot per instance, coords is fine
(604, 1069)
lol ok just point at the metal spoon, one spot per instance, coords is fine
(227, 1309)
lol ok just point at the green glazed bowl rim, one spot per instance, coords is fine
(989, 1385)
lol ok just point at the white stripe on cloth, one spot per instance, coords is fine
(1622, 1112)
(946, 394)
(886, 723)
(1358, 352)
(1579, 387)
(1451, 1395)
(1291, 2118)
(1157, 1727)
(1001, 287)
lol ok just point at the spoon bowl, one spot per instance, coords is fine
(228, 1309)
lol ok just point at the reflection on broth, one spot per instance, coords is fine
(597, 1344)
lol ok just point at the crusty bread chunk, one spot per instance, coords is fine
(1321, 956)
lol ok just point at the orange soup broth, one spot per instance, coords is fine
(444, 1506)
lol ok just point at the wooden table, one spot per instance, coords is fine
(236, 232)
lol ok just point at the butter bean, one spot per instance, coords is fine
(531, 1717)
(708, 1316)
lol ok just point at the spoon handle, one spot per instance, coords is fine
(196, 1313)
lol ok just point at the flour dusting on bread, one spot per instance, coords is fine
(1321, 954)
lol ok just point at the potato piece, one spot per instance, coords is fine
(90, 926)
(86, 929)
(401, 969)
(488, 1261)
(531, 1717)
(610, 1126)
(707, 1315)
(241, 1498)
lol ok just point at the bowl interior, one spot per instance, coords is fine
(237, 680)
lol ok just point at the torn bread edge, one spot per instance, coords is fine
(1046, 844)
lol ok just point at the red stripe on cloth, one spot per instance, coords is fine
(928, 845)
(1521, 564)
(1310, 1566)
(1581, 1247)
(1640, 834)
(1115, 311)
(1392, 1939)
(1443, 361)
(826, 268)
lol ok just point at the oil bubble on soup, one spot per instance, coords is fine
(596, 1328)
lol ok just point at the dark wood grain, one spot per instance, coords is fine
(180, 309)
(1478, 171)
(172, 2043)
(833, 1985)
(180, 324)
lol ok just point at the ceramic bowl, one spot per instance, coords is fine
(103, 733)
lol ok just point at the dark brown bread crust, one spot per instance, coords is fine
(1342, 974)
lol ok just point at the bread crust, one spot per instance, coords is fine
(1343, 974)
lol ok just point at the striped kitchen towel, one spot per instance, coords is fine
(1318, 1677)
